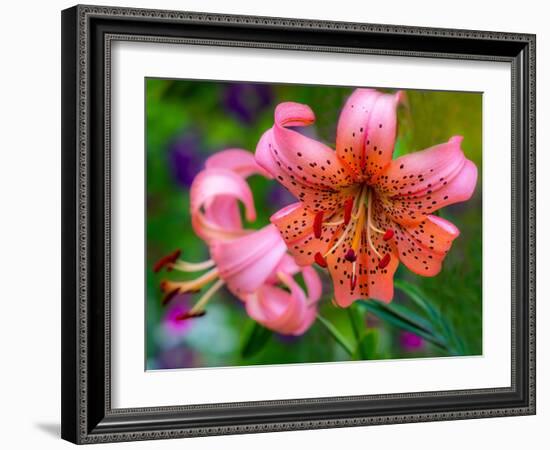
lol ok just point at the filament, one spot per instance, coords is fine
(185, 266)
(201, 303)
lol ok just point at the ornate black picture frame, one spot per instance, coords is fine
(87, 35)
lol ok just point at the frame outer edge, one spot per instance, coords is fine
(69, 264)
(532, 255)
(75, 217)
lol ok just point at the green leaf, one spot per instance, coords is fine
(255, 337)
(454, 343)
(338, 337)
(418, 297)
(404, 319)
(367, 346)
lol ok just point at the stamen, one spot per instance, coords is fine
(318, 224)
(190, 286)
(169, 296)
(199, 306)
(348, 208)
(349, 226)
(388, 235)
(185, 266)
(166, 260)
(333, 224)
(320, 260)
(339, 240)
(375, 228)
(350, 255)
(384, 261)
(358, 228)
(190, 315)
(369, 224)
(353, 281)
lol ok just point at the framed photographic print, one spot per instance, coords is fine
(282, 224)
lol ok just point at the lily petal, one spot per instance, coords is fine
(366, 132)
(372, 281)
(282, 311)
(314, 291)
(310, 170)
(246, 263)
(237, 160)
(420, 183)
(313, 284)
(422, 248)
(295, 224)
(219, 188)
(224, 211)
(276, 309)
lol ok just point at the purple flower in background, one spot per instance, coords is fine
(410, 341)
(170, 323)
(247, 100)
(278, 197)
(185, 158)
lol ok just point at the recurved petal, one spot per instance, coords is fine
(307, 168)
(237, 160)
(314, 290)
(411, 209)
(313, 284)
(245, 263)
(424, 170)
(224, 212)
(423, 247)
(276, 309)
(366, 132)
(287, 312)
(311, 161)
(214, 193)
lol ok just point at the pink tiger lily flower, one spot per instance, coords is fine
(252, 264)
(360, 212)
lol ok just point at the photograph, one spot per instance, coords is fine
(293, 224)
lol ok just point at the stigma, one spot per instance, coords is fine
(356, 225)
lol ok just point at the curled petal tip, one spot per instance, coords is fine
(289, 114)
(456, 139)
(400, 97)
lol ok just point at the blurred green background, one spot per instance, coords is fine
(429, 317)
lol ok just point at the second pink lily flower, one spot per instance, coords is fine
(254, 265)
(360, 212)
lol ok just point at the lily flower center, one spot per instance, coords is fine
(356, 226)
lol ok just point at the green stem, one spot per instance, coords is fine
(336, 334)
